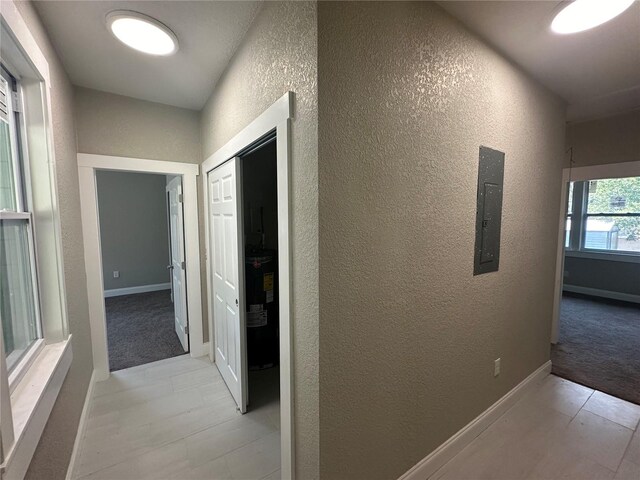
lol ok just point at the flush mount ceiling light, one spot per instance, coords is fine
(142, 33)
(582, 15)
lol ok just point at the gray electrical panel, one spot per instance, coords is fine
(488, 211)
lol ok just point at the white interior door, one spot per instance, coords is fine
(227, 267)
(177, 265)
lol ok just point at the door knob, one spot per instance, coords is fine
(169, 267)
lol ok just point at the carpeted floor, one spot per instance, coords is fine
(599, 345)
(140, 329)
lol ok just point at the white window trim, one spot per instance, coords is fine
(578, 174)
(35, 388)
(87, 166)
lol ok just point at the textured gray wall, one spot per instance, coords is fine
(133, 228)
(619, 277)
(408, 335)
(52, 456)
(607, 140)
(111, 124)
(277, 55)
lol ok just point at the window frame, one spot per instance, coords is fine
(24, 203)
(37, 378)
(15, 135)
(580, 215)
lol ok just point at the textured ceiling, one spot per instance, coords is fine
(208, 34)
(597, 71)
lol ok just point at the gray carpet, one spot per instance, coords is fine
(599, 345)
(140, 329)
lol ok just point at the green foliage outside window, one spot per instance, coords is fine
(617, 195)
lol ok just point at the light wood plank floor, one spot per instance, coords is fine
(559, 430)
(175, 419)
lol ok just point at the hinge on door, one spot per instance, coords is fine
(182, 265)
(179, 198)
(15, 101)
(186, 330)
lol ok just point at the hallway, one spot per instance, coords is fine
(175, 419)
(558, 430)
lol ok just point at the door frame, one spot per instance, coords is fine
(276, 118)
(579, 174)
(87, 166)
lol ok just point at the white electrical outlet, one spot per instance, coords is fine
(496, 367)
(116, 274)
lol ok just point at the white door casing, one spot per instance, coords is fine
(227, 262)
(176, 267)
(278, 118)
(87, 166)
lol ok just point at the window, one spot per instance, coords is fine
(34, 339)
(19, 310)
(609, 213)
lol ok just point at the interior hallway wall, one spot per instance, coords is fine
(134, 235)
(279, 53)
(613, 139)
(408, 336)
(110, 124)
(52, 455)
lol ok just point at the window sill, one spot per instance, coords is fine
(22, 367)
(32, 402)
(610, 256)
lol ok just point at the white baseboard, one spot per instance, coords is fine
(81, 427)
(116, 292)
(197, 351)
(449, 449)
(596, 292)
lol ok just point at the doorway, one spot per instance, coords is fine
(227, 293)
(188, 317)
(142, 259)
(260, 222)
(597, 334)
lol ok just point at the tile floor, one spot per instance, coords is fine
(558, 430)
(175, 419)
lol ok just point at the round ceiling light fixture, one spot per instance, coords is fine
(582, 15)
(142, 33)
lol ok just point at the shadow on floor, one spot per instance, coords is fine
(140, 329)
(599, 345)
(264, 387)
